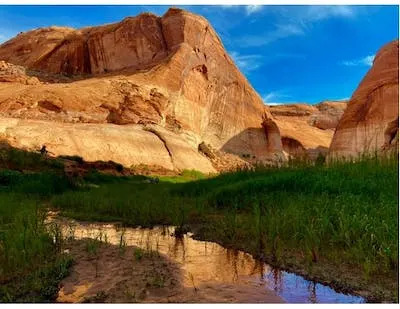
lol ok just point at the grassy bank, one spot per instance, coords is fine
(31, 261)
(336, 224)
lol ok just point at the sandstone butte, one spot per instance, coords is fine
(307, 130)
(147, 90)
(370, 122)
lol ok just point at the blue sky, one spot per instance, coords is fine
(288, 53)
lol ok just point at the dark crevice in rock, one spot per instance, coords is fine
(87, 68)
(49, 105)
(163, 39)
(163, 140)
(391, 131)
(202, 69)
(293, 147)
(46, 57)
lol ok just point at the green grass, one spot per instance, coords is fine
(31, 261)
(16, 159)
(184, 176)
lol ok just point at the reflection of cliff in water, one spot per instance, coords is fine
(206, 264)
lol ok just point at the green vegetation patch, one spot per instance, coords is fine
(17, 159)
(31, 261)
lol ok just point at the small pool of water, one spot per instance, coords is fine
(205, 263)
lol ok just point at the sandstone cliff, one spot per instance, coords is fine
(307, 130)
(370, 123)
(128, 145)
(170, 72)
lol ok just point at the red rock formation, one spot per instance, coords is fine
(170, 71)
(133, 43)
(370, 123)
(223, 161)
(307, 130)
(12, 73)
(328, 115)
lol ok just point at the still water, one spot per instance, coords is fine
(205, 263)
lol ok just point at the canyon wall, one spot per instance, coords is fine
(306, 130)
(370, 122)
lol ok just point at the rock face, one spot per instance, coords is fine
(328, 114)
(170, 72)
(370, 123)
(307, 130)
(123, 144)
(223, 161)
(13, 73)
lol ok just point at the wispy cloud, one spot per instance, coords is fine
(275, 103)
(250, 9)
(252, 62)
(280, 32)
(247, 63)
(316, 13)
(5, 35)
(276, 97)
(296, 21)
(365, 61)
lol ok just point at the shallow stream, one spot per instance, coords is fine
(213, 268)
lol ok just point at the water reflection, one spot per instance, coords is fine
(208, 263)
(277, 280)
(313, 294)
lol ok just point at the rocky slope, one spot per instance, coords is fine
(307, 130)
(171, 73)
(370, 123)
(14, 73)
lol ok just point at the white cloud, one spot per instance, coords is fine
(280, 32)
(283, 31)
(365, 61)
(4, 38)
(247, 63)
(267, 97)
(276, 97)
(296, 21)
(5, 32)
(321, 12)
(252, 62)
(250, 9)
(275, 103)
